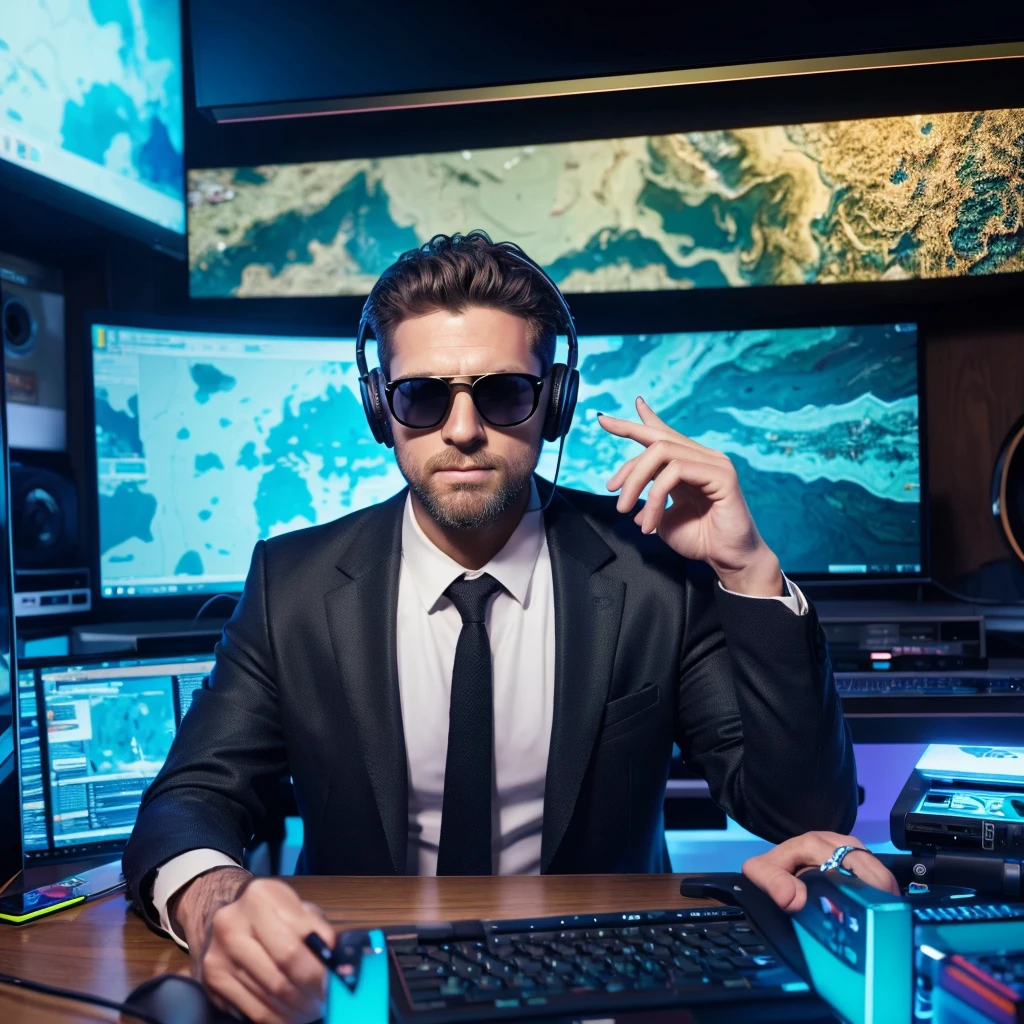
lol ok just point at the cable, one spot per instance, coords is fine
(81, 997)
(558, 465)
(214, 600)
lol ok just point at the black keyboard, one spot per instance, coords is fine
(861, 685)
(565, 965)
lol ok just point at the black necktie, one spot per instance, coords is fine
(465, 847)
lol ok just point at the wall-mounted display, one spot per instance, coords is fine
(881, 199)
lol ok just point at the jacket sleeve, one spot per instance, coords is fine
(758, 715)
(229, 753)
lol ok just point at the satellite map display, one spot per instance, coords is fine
(883, 199)
(90, 96)
(108, 738)
(206, 443)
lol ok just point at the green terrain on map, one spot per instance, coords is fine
(882, 199)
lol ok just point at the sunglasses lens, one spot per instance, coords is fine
(504, 399)
(420, 401)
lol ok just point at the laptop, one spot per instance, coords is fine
(93, 732)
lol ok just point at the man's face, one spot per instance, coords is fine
(465, 471)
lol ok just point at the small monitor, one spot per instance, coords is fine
(33, 790)
(210, 438)
(91, 112)
(93, 734)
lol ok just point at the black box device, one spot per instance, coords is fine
(961, 814)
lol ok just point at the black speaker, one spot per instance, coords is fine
(50, 575)
(44, 516)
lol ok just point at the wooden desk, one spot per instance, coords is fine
(103, 949)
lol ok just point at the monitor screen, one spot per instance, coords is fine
(108, 733)
(109, 727)
(878, 199)
(207, 441)
(33, 795)
(91, 98)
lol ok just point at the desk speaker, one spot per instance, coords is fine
(32, 322)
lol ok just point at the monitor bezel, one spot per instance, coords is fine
(97, 211)
(11, 847)
(180, 606)
(78, 851)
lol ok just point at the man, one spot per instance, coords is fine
(458, 682)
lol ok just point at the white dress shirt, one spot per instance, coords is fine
(521, 627)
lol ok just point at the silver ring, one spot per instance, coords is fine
(835, 862)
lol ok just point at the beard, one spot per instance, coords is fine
(468, 506)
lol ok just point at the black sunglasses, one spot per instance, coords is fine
(502, 399)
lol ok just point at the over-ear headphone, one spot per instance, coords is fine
(565, 378)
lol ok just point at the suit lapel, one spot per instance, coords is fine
(588, 613)
(361, 618)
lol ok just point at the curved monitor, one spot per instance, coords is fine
(91, 111)
(210, 437)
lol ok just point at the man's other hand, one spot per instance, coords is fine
(249, 950)
(776, 871)
(708, 518)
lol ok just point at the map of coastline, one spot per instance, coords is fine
(880, 199)
(101, 81)
(821, 424)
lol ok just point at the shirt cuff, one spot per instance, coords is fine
(795, 602)
(178, 872)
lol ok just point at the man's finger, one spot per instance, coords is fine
(808, 850)
(615, 481)
(783, 886)
(264, 979)
(281, 926)
(871, 870)
(651, 428)
(639, 432)
(231, 991)
(706, 474)
(649, 416)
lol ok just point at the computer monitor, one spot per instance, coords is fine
(210, 437)
(10, 821)
(94, 732)
(91, 113)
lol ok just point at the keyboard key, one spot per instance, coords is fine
(464, 969)
(618, 985)
(751, 963)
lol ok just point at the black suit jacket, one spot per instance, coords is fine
(649, 649)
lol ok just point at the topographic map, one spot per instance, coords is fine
(867, 200)
(206, 457)
(101, 81)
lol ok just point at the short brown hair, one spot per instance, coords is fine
(451, 272)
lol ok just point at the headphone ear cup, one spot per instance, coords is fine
(565, 386)
(368, 410)
(370, 391)
(570, 392)
(553, 416)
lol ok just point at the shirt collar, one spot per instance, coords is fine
(431, 570)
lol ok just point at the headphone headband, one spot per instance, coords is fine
(513, 250)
